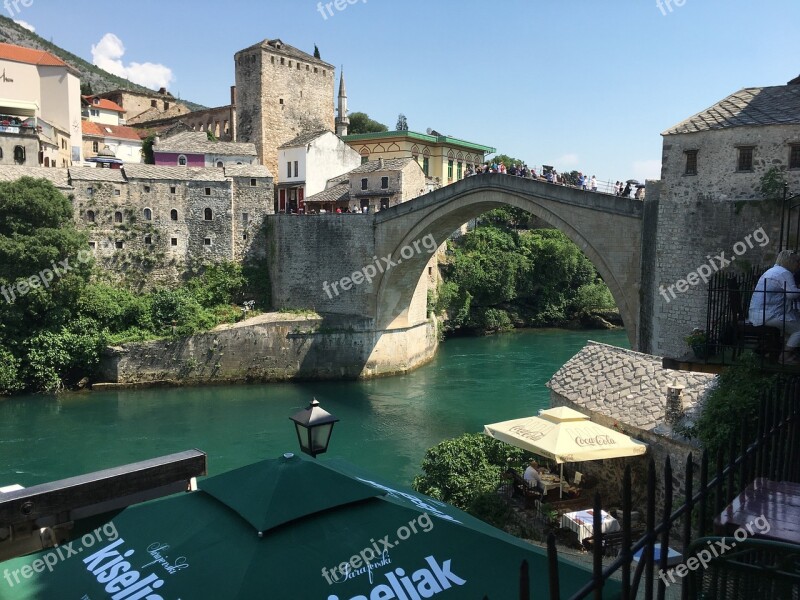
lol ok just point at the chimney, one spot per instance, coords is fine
(233, 95)
(674, 409)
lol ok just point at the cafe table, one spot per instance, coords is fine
(582, 523)
(765, 509)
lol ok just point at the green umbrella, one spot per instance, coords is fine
(290, 528)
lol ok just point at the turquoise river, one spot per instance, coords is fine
(386, 424)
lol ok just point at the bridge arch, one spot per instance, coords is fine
(606, 228)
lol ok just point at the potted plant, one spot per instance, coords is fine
(698, 342)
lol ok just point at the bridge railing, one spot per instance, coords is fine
(603, 187)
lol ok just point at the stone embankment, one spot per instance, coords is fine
(271, 347)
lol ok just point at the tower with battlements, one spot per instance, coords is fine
(281, 93)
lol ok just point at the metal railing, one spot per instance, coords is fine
(769, 450)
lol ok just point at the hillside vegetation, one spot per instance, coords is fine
(100, 80)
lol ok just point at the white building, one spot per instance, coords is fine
(40, 109)
(307, 163)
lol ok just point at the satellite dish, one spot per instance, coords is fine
(428, 130)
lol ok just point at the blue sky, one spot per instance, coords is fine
(580, 84)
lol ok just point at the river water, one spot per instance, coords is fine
(386, 424)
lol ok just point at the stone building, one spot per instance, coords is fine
(194, 149)
(441, 157)
(141, 107)
(708, 201)
(373, 186)
(148, 223)
(308, 162)
(220, 121)
(40, 109)
(281, 92)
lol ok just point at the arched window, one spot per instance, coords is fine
(182, 161)
(173, 214)
(148, 214)
(209, 215)
(118, 217)
(90, 216)
(19, 154)
(219, 164)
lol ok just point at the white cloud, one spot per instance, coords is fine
(108, 53)
(25, 24)
(646, 169)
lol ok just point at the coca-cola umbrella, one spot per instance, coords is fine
(565, 435)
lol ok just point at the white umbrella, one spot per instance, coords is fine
(565, 435)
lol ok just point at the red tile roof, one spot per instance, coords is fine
(103, 103)
(30, 56)
(113, 131)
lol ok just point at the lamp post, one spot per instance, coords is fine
(314, 426)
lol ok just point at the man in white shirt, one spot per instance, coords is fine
(532, 477)
(771, 303)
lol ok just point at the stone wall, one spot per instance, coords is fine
(272, 347)
(280, 94)
(308, 252)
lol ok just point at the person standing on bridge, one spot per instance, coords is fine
(594, 183)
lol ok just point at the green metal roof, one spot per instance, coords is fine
(422, 137)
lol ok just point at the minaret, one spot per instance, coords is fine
(342, 121)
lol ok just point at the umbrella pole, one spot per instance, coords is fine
(561, 483)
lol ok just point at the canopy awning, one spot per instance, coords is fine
(565, 435)
(18, 107)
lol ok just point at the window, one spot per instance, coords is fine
(148, 240)
(147, 189)
(19, 154)
(364, 183)
(459, 170)
(794, 156)
(209, 215)
(95, 146)
(295, 168)
(90, 216)
(47, 161)
(289, 169)
(384, 183)
(245, 219)
(173, 241)
(364, 159)
(94, 112)
(173, 215)
(148, 214)
(89, 191)
(745, 161)
(449, 169)
(426, 162)
(384, 203)
(92, 245)
(116, 192)
(220, 164)
(166, 105)
(244, 236)
(119, 244)
(253, 183)
(206, 241)
(691, 162)
(208, 191)
(154, 103)
(283, 61)
(173, 189)
(118, 217)
(181, 161)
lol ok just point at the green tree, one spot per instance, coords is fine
(316, 52)
(771, 184)
(402, 123)
(86, 89)
(147, 149)
(361, 123)
(459, 470)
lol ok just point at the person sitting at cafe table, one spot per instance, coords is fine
(771, 303)
(532, 477)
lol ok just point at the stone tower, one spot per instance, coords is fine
(342, 121)
(281, 93)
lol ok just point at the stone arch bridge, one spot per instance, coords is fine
(373, 268)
